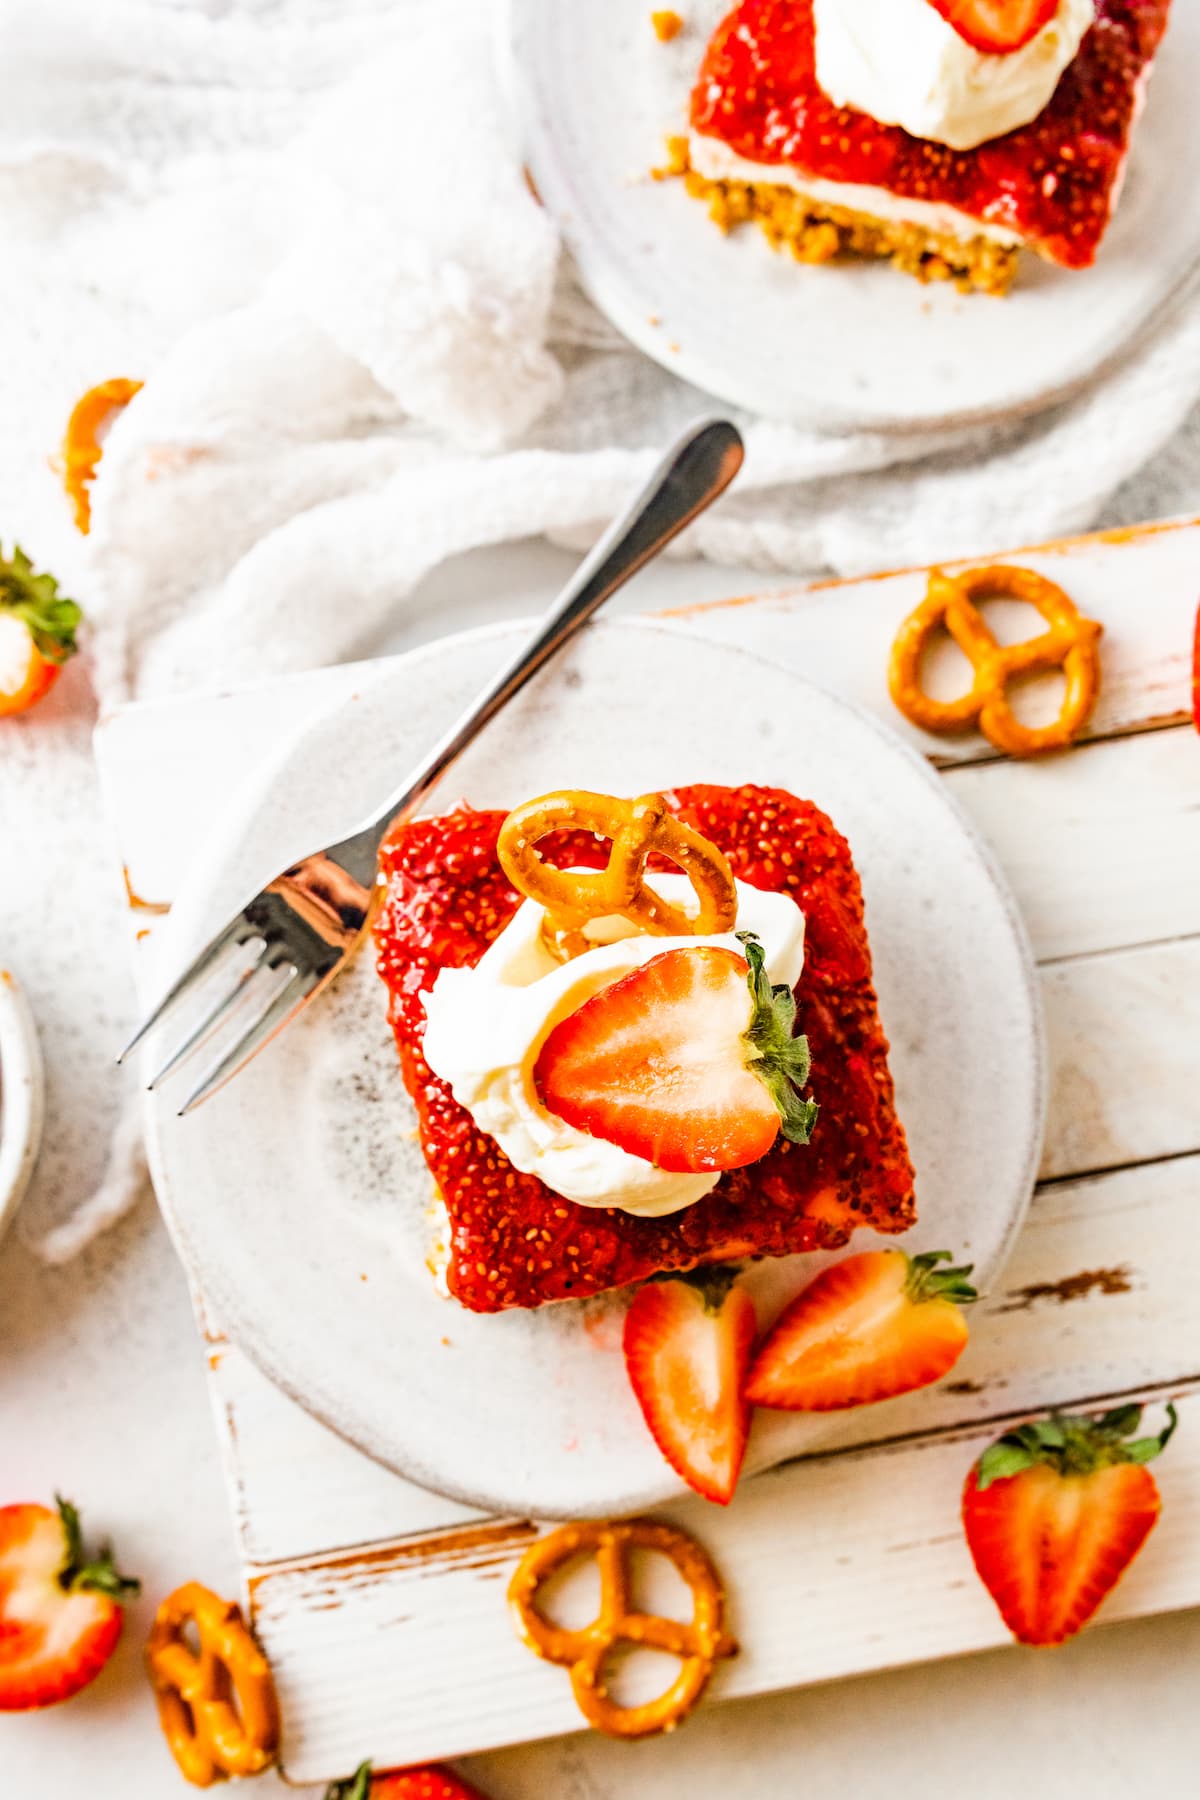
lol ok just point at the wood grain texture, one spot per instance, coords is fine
(1102, 846)
(1141, 585)
(382, 1606)
(821, 1585)
(1123, 1038)
(1121, 1030)
(1099, 1298)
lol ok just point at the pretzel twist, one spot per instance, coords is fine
(1071, 643)
(637, 829)
(698, 1644)
(82, 450)
(209, 1735)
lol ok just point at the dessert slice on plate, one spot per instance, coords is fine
(611, 1060)
(945, 135)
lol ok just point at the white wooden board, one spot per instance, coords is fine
(382, 1606)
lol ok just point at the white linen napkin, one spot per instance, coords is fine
(306, 227)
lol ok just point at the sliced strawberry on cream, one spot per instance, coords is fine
(956, 72)
(689, 1062)
(473, 992)
(997, 27)
(486, 1028)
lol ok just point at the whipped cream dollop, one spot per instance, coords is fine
(902, 63)
(486, 1027)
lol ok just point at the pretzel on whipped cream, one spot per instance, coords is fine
(216, 1704)
(698, 1644)
(636, 829)
(1071, 643)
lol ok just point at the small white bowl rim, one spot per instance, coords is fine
(22, 1095)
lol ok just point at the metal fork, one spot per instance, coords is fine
(290, 940)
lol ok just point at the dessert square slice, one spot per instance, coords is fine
(768, 145)
(512, 1241)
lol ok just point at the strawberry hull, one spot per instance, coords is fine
(513, 1242)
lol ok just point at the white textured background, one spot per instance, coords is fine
(145, 195)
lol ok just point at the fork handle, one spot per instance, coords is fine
(694, 472)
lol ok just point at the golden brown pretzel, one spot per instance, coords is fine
(1071, 643)
(636, 829)
(82, 450)
(698, 1643)
(209, 1736)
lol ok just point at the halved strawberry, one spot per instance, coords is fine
(1196, 672)
(1056, 1511)
(60, 1615)
(868, 1328)
(997, 27)
(37, 633)
(688, 1062)
(687, 1348)
(433, 1783)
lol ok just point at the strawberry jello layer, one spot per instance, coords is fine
(758, 114)
(514, 1242)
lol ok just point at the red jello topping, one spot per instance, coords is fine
(1053, 181)
(514, 1242)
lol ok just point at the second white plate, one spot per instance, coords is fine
(847, 346)
(299, 1198)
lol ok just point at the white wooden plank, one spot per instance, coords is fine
(296, 1487)
(1094, 1122)
(1122, 1033)
(1123, 1036)
(1141, 586)
(1102, 847)
(1098, 1298)
(817, 1590)
(164, 764)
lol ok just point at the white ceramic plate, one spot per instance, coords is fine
(22, 1096)
(299, 1198)
(850, 346)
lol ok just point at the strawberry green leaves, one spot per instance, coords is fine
(780, 1060)
(926, 1281)
(50, 618)
(98, 1576)
(1073, 1446)
(357, 1788)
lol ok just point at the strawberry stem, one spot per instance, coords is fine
(712, 1282)
(1074, 1446)
(780, 1059)
(927, 1282)
(357, 1788)
(50, 619)
(100, 1576)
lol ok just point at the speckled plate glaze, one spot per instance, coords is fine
(299, 1198)
(855, 346)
